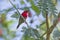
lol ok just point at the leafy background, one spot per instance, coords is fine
(9, 19)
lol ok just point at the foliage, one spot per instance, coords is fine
(42, 6)
(5, 27)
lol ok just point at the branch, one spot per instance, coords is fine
(43, 34)
(54, 23)
(53, 26)
(51, 29)
(19, 13)
(47, 25)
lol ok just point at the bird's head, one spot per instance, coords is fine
(26, 14)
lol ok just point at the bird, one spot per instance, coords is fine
(25, 14)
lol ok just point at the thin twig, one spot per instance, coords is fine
(19, 13)
(43, 34)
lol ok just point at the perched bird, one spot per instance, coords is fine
(25, 14)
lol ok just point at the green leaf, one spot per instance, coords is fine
(31, 34)
(34, 7)
(3, 17)
(27, 38)
(54, 2)
(22, 2)
(43, 26)
(15, 15)
(56, 33)
(36, 33)
(7, 23)
(44, 14)
(12, 34)
(7, 10)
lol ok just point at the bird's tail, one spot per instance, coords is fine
(18, 26)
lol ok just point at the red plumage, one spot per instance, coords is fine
(25, 14)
